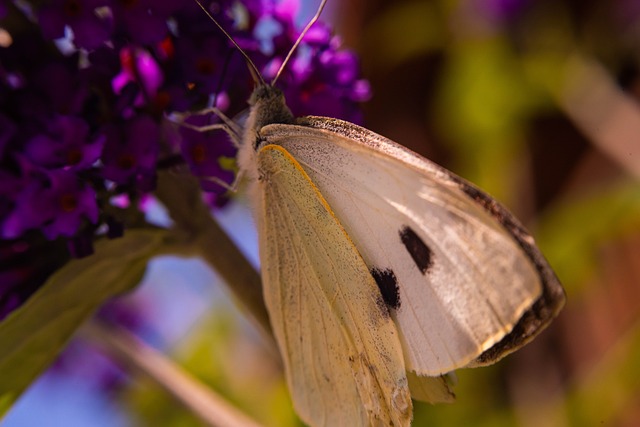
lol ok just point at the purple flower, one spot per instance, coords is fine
(170, 98)
(138, 66)
(90, 29)
(35, 84)
(287, 10)
(55, 202)
(66, 144)
(63, 86)
(131, 151)
(202, 62)
(324, 81)
(144, 21)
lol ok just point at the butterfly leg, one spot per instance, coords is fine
(228, 126)
(233, 187)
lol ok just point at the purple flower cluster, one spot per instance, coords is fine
(85, 89)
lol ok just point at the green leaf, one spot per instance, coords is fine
(33, 335)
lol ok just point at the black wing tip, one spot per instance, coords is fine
(531, 324)
(553, 297)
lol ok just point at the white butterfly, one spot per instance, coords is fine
(381, 270)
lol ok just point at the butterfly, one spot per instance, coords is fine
(382, 271)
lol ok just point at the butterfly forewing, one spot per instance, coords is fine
(456, 279)
(342, 354)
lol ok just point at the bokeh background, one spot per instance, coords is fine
(537, 102)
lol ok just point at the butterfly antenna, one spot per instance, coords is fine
(297, 43)
(257, 77)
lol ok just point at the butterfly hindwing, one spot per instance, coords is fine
(342, 354)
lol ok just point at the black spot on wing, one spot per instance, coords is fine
(388, 285)
(419, 251)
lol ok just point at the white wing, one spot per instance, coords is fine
(342, 355)
(465, 281)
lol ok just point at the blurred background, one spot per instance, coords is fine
(535, 101)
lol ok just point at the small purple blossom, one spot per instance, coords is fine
(56, 202)
(90, 29)
(138, 65)
(201, 61)
(70, 91)
(66, 144)
(131, 151)
(287, 10)
(324, 80)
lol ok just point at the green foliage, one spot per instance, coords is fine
(32, 336)
(571, 231)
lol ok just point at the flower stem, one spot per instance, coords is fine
(198, 398)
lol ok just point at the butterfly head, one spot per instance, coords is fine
(268, 106)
